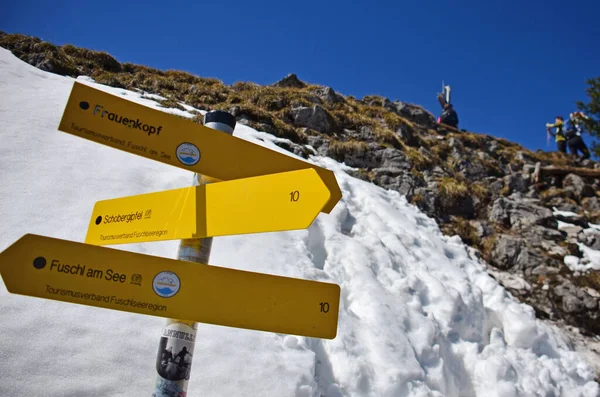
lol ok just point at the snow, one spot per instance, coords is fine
(565, 225)
(572, 262)
(509, 280)
(567, 214)
(418, 316)
(591, 256)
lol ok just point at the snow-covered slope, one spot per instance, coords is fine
(418, 316)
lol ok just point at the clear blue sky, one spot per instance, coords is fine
(513, 65)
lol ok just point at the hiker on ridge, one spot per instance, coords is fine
(448, 116)
(559, 136)
(573, 135)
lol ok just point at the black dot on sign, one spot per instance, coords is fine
(39, 262)
(98, 220)
(84, 105)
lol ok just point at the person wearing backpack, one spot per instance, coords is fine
(448, 116)
(573, 135)
(559, 136)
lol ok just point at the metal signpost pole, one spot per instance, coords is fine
(176, 347)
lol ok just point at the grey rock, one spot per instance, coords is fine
(592, 292)
(290, 81)
(292, 147)
(317, 142)
(411, 112)
(492, 146)
(482, 229)
(563, 289)
(524, 157)
(500, 212)
(276, 104)
(365, 133)
(591, 204)
(265, 127)
(439, 172)
(328, 95)
(537, 232)
(516, 196)
(532, 192)
(406, 134)
(392, 158)
(316, 118)
(555, 250)
(554, 192)
(589, 302)
(455, 144)
(577, 185)
(496, 185)
(506, 251)
(544, 270)
(428, 195)
(404, 183)
(529, 259)
(591, 240)
(527, 214)
(374, 100)
(575, 299)
(563, 205)
(571, 304)
(473, 171)
(516, 182)
(519, 214)
(360, 156)
(484, 157)
(235, 111)
(425, 153)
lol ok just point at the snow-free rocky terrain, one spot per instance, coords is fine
(418, 316)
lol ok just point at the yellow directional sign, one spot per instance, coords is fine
(284, 201)
(62, 270)
(137, 129)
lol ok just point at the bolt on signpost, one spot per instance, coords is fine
(176, 347)
(239, 188)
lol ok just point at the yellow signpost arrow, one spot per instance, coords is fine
(73, 272)
(137, 129)
(277, 202)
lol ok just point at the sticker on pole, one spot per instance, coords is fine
(116, 122)
(175, 353)
(72, 272)
(278, 202)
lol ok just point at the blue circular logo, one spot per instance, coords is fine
(188, 153)
(166, 284)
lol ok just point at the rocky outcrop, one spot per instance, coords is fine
(413, 113)
(316, 118)
(576, 185)
(328, 95)
(290, 81)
